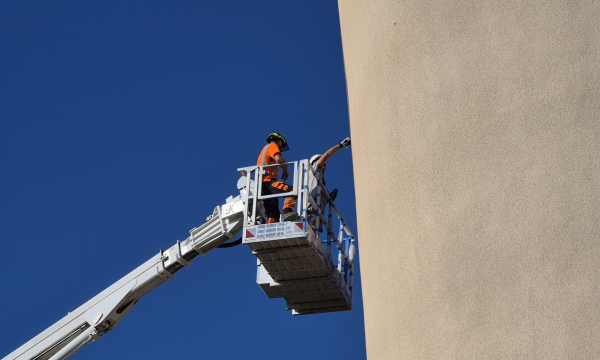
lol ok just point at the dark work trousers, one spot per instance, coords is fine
(272, 205)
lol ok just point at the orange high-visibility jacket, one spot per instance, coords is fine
(267, 157)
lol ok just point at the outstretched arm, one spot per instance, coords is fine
(329, 153)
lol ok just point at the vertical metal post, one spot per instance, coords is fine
(330, 215)
(247, 197)
(295, 179)
(258, 192)
(298, 182)
(340, 248)
(318, 203)
(351, 254)
(305, 189)
(346, 262)
(302, 189)
(341, 232)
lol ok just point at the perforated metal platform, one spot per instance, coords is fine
(293, 264)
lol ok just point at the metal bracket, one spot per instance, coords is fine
(223, 223)
(98, 313)
(179, 257)
(161, 271)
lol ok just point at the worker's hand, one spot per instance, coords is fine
(285, 175)
(345, 143)
(333, 194)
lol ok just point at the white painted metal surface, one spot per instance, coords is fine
(293, 263)
(103, 312)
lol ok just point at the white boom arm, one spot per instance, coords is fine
(104, 311)
(294, 263)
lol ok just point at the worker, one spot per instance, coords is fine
(271, 154)
(319, 162)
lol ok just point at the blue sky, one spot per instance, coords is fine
(122, 124)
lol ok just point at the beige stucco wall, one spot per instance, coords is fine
(476, 144)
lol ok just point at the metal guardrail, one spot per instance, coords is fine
(313, 202)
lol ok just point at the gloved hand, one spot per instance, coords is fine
(333, 194)
(345, 143)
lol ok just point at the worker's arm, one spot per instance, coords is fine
(280, 160)
(329, 153)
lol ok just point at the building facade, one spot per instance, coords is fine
(476, 146)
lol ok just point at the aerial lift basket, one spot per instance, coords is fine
(294, 263)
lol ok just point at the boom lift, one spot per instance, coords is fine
(294, 263)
